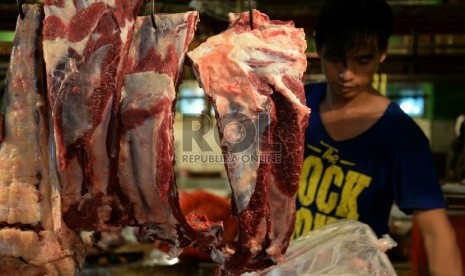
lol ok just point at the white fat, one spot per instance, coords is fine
(280, 86)
(206, 48)
(37, 249)
(66, 13)
(125, 31)
(56, 50)
(148, 84)
(111, 3)
(244, 51)
(23, 202)
(200, 52)
(223, 105)
(87, 3)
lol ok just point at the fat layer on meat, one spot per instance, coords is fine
(33, 236)
(253, 78)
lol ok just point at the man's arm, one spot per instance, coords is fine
(440, 242)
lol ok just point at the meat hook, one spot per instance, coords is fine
(152, 16)
(20, 8)
(250, 15)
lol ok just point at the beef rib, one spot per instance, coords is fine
(85, 43)
(146, 158)
(253, 78)
(33, 238)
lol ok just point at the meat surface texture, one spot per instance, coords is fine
(33, 238)
(253, 78)
(85, 43)
(146, 157)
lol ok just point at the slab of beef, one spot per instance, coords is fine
(146, 158)
(253, 78)
(85, 43)
(33, 238)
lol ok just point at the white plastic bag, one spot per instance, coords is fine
(345, 247)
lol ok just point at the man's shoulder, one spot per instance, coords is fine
(314, 92)
(398, 129)
(315, 86)
(399, 120)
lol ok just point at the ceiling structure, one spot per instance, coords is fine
(430, 34)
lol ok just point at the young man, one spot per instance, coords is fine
(362, 153)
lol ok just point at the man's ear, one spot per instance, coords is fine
(383, 56)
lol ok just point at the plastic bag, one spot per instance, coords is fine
(345, 247)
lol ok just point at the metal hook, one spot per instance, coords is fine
(250, 15)
(20, 9)
(152, 16)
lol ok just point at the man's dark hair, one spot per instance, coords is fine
(346, 25)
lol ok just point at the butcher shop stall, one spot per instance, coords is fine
(143, 137)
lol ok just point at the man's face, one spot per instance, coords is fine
(350, 73)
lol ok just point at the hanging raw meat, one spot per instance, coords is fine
(146, 160)
(33, 238)
(85, 43)
(253, 78)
